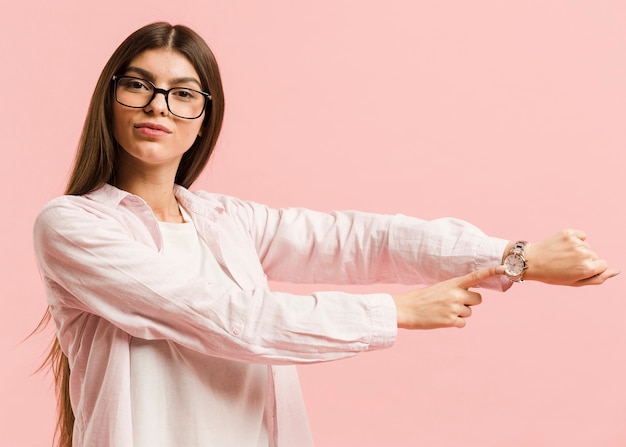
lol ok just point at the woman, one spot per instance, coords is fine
(167, 331)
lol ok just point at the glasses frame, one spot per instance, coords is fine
(156, 90)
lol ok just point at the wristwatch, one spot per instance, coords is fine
(515, 264)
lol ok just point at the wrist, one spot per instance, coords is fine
(400, 312)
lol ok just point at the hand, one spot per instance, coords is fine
(445, 304)
(566, 259)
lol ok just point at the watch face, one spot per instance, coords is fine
(513, 265)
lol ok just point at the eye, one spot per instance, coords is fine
(135, 85)
(184, 94)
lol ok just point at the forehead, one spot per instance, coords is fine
(164, 64)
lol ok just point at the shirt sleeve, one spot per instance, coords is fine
(93, 264)
(350, 247)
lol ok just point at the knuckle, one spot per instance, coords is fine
(587, 267)
(565, 234)
(572, 235)
(477, 276)
(456, 309)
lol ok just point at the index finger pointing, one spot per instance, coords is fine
(477, 276)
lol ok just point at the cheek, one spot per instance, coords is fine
(190, 133)
(197, 128)
(119, 118)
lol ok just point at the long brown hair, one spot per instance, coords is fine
(95, 162)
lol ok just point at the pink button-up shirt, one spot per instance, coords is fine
(105, 283)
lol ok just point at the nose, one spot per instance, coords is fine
(158, 104)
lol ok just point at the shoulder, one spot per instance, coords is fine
(224, 203)
(58, 218)
(88, 204)
(70, 212)
(215, 198)
(59, 207)
(106, 197)
(228, 210)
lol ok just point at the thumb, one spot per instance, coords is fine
(477, 276)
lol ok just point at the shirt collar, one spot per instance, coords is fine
(113, 196)
(109, 195)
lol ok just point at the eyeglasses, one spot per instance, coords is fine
(182, 102)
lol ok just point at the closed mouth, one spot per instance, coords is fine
(152, 126)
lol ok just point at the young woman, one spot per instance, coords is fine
(167, 331)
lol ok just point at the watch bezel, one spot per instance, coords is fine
(508, 265)
(516, 252)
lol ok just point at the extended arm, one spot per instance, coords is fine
(350, 247)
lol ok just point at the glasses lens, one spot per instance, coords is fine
(133, 92)
(185, 102)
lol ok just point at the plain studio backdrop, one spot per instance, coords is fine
(507, 114)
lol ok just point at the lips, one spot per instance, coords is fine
(152, 129)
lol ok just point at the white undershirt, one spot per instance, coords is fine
(182, 398)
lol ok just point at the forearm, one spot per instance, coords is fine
(362, 248)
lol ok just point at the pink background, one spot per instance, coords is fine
(507, 114)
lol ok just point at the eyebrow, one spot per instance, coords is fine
(150, 77)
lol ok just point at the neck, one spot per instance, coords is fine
(156, 188)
